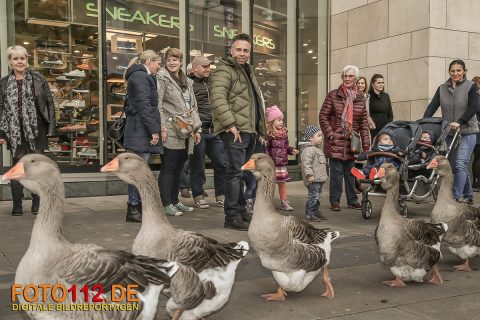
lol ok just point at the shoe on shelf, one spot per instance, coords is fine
(357, 173)
(201, 203)
(61, 78)
(286, 206)
(355, 206)
(236, 223)
(172, 211)
(88, 152)
(181, 207)
(81, 89)
(335, 206)
(53, 62)
(75, 73)
(220, 201)
(185, 192)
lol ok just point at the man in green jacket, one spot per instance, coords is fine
(238, 117)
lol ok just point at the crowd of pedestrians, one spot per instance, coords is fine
(222, 115)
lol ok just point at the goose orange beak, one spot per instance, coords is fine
(250, 165)
(17, 172)
(433, 164)
(380, 173)
(112, 166)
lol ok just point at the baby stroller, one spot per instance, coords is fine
(416, 181)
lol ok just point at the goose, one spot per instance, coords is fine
(211, 264)
(51, 259)
(294, 250)
(410, 248)
(463, 236)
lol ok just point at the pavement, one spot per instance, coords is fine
(355, 269)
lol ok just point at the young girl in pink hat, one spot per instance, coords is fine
(278, 148)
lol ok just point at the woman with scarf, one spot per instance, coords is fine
(344, 112)
(27, 116)
(181, 128)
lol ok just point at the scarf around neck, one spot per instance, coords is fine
(181, 80)
(10, 123)
(347, 114)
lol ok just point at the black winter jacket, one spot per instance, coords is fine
(200, 89)
(43, 100)
(381, 110)
(143, 118)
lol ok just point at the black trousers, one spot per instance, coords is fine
(15, 186)
(169, 178)
(237, 153)
(339, 172)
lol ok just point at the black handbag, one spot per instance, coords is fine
(355, 142)
(115, 132)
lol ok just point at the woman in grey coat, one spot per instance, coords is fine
(181, 128)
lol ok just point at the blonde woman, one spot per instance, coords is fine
(27, 116)
(142, 130)
(181, 127)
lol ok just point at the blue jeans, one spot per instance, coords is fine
(339, 172)
(211, 145)
(250, 180)
(237, 153)
(313, 200)
(133, 195)
(459, 160)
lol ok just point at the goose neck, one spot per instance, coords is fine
(445, 191)
(265, 194)
(48, 222)
(391, 208)
(153, 213)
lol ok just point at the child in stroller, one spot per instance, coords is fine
(384, 143)
(424, 151)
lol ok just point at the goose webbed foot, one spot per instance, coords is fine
(463, 267)
(397, 283)
(177, 314)
(277, 296)
(328, 285)
(435, 277)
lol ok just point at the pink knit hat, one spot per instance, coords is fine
(273, 113)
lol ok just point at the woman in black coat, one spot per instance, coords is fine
(27, 116)
(142, 129)
(380, 105)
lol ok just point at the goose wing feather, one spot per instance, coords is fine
(305, 240)
(90, 264)
(200, 252)
(416, 253)
(427, 233)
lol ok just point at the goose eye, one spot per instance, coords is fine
(126, 158)
(32, 161)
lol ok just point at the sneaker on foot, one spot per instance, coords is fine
(357, 173)
(373, 172)
(181, 207)
(220, 202)
(172, 210)
(286, 206)
(355, 206)
(335, 206)
(201, 203)
(312, 217)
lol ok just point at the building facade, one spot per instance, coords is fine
(83, 47)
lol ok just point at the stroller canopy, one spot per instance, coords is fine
(438, 126)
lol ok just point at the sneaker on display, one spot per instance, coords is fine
(88, 152)
(54, 62)
(61, 78)
(81, 89)
(75, 73)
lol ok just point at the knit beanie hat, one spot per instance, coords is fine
(273, 113)
(309, 132)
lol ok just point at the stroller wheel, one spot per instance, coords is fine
(366, 209)
(403, 208)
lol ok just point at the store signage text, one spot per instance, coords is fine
(224, 32)
(122, 14)
(118, 13)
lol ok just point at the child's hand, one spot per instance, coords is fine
(311, 179)
(294, 151)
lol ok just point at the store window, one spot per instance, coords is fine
(270, 53)
(312, 60)
(67, 55)
(213, 24)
